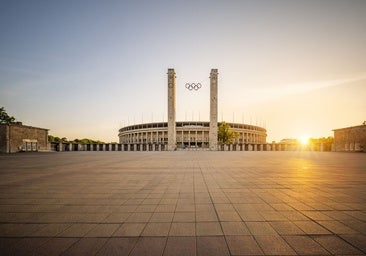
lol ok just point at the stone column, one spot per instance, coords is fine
(172, 140)
(213, 109)
(196, 140)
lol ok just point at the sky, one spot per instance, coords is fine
(84, 69)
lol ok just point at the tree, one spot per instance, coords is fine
(5, 118)
(53, 139)
(225, 134)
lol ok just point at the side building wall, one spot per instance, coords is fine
(350, 139)
(16, 137)
(4, 142)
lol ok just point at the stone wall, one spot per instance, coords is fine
(350, 139)
(3, 138)
(16, 137)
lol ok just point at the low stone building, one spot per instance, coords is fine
(17, 137)
(350, 138)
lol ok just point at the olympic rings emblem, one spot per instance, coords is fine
(193, 86)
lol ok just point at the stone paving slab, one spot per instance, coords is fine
(183, 203)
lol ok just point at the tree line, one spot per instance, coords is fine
(53, 139)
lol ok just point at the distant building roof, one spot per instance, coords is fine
(351, 127)
(21, 124)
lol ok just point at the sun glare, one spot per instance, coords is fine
(304, 140)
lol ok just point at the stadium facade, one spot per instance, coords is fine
(188, 135)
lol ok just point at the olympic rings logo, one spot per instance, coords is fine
(193, 86)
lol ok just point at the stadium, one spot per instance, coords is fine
(189, 135)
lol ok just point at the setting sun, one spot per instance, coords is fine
(304, 140)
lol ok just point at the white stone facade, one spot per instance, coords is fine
(189, 135)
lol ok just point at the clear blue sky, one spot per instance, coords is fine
(87, 68)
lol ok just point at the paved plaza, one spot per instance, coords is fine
(183, 203)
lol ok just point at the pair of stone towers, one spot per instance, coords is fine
(172, 141)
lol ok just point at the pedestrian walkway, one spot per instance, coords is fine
(183, 203)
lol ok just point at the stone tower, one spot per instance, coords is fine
(171, 110)
(213, 110)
